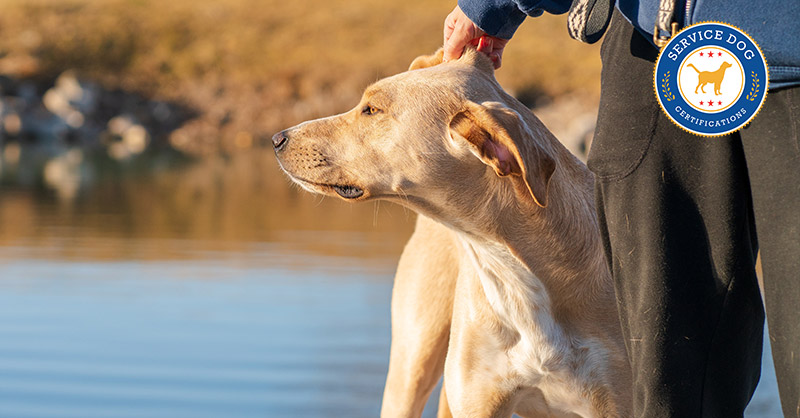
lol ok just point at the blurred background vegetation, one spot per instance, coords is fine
(165, 108)
(247, 68)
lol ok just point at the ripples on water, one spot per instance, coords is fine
(188, 297)
(214, 338)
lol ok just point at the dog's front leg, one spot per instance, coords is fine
(474, 388)
(478, 378)
(422, 301)
(444, 408)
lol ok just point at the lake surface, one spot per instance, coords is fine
(212, 291)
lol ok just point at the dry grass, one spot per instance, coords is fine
(252, 67)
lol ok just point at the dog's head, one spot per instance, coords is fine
(436, 135)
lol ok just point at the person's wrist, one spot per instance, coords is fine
(499, 21)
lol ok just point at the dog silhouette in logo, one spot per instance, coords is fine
(714, 77)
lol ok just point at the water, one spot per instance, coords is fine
(208, 338)
(201, 294)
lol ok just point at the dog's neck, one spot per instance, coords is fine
(517, 297)
(557, 248)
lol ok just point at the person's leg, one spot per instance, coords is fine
(772, 146)
(678, 231)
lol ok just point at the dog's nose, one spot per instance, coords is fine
(279, 139)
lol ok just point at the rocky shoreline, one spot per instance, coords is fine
(50, 133)
(59, 135)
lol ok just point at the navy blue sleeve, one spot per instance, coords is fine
(501, 18)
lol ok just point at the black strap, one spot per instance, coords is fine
(588, 19)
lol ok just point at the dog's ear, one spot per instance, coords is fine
(425, 61)
(477, 59)
(502, 140)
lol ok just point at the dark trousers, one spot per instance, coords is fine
(679, 214)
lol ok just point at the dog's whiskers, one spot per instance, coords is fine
(404, 196)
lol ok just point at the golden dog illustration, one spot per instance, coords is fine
(714, 77)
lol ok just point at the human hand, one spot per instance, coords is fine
(460, 31)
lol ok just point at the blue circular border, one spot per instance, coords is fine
(742, 111)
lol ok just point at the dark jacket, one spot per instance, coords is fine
(773, 24)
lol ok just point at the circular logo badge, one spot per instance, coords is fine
(711, 79)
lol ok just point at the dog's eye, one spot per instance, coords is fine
(370, 110)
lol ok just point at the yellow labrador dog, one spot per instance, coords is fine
(503, 287)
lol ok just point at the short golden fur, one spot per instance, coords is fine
(503, 287)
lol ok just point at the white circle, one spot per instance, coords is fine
(711, 83)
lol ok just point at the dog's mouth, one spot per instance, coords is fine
(348, 192)
(344, 191)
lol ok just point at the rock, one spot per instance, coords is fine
(119, 124)
(74, 119)
(71, 99)
(55, 102)
(128, 136)
(81, 96)
(77, 112)
(135, 139)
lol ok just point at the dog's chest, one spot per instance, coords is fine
(538, 352)
(520, 304)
